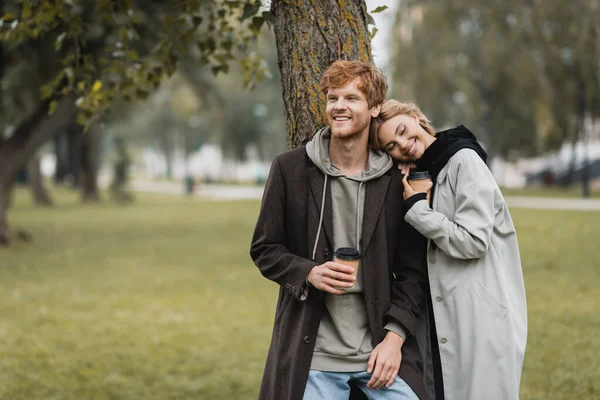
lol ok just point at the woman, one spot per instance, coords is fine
(476, 283)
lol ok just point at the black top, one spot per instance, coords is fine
(448, 143)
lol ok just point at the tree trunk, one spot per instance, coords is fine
(90, 163)
(67, 146)
(39, 194)
(310, 35)
(23, 144)
(166, 145)
(5, 190)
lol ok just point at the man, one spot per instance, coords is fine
(330, 328)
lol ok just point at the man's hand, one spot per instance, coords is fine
(331, 276)
(385, 361)
(409, 191)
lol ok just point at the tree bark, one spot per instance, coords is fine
(90, 163)
(39, 194)
(22, 145)
(310, 35)
(68, 151)
(5, 190)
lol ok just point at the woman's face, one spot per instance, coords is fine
(403, 138)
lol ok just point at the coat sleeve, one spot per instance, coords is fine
(468, 234)
(269, 248)
(409, 281)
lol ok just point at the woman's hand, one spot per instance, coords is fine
(405, 167)
(409, 191)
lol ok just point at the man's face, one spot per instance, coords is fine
(348, 111)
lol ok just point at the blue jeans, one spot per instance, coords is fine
(323, 385)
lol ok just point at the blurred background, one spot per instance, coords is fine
(524, 76)
(126, 272)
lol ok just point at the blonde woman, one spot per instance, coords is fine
(477, 295)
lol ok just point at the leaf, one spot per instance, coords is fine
(216, 69)
(268, 16)
(52, 107)
(141, 94)
(8, 17)
(133, 55)
(47, 91)
(26, 12)
(59, 41)
(379, 9)
(97, 86)
(370, 20)
(249, 10)
(373, 32)
(81, 119)
(257, 23)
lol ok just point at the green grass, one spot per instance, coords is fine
(575, 191)
(160, 300)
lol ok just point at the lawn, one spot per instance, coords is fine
(576, 191)
(160, 300)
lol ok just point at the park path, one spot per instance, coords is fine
(217, 192)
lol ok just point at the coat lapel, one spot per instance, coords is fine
(374, 200)
(316, 179)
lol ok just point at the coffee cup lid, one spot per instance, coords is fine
(418, 175)
(347, 253)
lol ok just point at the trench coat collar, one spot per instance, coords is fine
(374, 200)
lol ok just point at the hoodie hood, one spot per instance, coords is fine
(448, 143)
(317, 150)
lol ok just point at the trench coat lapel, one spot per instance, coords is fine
(374, 200)
(316, 179)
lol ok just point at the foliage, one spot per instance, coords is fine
(161, 301)
(106, 49)
(513, 70)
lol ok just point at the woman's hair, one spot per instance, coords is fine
(372, 81)
(389, 110)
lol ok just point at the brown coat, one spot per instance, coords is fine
(282, 246)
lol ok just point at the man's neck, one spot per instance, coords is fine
(349, 155)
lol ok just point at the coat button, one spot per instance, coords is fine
(444, 340)
(326, 252)
(306, 339)
(438, 298)
(432, 258)
(293, 288)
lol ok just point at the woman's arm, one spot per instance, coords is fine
(467, 235)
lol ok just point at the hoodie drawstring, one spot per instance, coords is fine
(320, 218)
(358, 216)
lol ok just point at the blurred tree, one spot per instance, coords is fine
(457, 61)
(565, 41)
(107, 49)
(96, 51)
(507, 69)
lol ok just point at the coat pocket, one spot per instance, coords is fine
(495, 306)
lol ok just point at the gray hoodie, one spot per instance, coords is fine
(344, 340)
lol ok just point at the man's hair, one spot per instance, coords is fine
(372, 81)
(389, 110)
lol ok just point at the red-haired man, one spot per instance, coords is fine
(331, 328)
